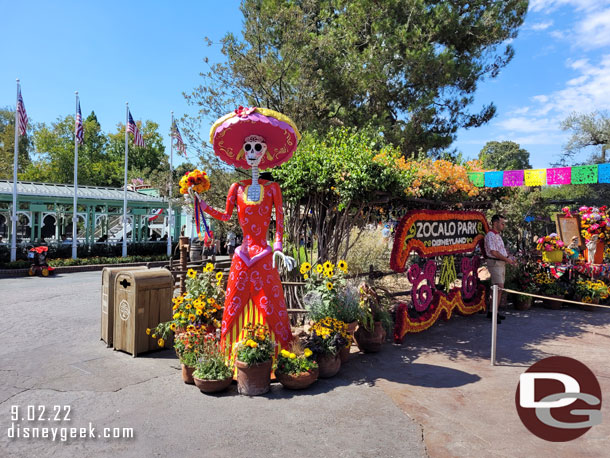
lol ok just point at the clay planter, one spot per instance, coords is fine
(370, 342)
(212, 386)
(351, 329)
(551, 304)
(297, 381)
(523, 302)
(344, 355)
(187, 374)
(253, 380)
(329, 365)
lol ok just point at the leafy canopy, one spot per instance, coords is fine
(408, 67)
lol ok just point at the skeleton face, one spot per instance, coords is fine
(254, 148)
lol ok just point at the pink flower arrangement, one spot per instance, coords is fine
(593, 221)
(551, 242)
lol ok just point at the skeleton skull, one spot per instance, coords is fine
(254, 148)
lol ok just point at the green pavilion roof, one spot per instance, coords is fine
(30, 189)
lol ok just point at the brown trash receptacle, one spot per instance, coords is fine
(108, 276)
(142, 300)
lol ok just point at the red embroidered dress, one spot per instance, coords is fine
(254, 290)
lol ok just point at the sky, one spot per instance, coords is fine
(149, 53)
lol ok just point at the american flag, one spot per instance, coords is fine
(22, 116)
(138, 140)
(78, 128)
(179, 143)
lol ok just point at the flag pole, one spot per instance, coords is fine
(125, 184)
(171, 179)
(74, 214)
(15, 154)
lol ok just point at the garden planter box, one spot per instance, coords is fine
(142, 300)
(552, 256)
(109, 275)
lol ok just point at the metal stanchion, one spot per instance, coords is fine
(494, 321)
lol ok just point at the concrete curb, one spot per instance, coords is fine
(6, 273)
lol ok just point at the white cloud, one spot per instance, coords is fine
(541, 25)
(548, 6)
(594, 30)
(539, 123)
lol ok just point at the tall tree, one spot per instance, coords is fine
(588, 130)
(410, 67)
(7, 145)
(151, 157)
(504, 156)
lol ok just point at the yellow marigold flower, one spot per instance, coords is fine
(342, 265)
(172, 326)
(219, 275)
(188, 306)
(329, 285)
(147, 331)
(328, 265)
(306, 277)
(161, 342)
(302, 271)
(154, 336)
(285, 353)
(175, 316)
(192, 317)
(329, 273)
(292, 356)
(191, 273)
(306, 266)
(319, 268)
(307, 353)
(174, 308)
(199, 312)
(190, 327)
(209, 267)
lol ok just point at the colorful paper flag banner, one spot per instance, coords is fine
(494, 179)
(477, 178)
(513, 178)
(535, 177)
(579, 174)
(560, 175)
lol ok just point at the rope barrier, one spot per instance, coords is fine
(554, 298)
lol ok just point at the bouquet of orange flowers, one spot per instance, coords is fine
(198, 180)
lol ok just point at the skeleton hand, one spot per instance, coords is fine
(194, 194)
(289, 263)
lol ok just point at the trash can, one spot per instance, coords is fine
(108, 276)
(142, 299)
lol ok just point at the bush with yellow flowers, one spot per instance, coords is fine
(328, 293)
(198, 180)
(296, 360)
(200, 305)
(328, 336)
(590, 291)
(256, 346)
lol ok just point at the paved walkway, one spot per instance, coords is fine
(436, 394)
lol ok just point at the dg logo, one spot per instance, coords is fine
(559, 399)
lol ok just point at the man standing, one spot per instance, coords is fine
(497, 257)
(230, 243)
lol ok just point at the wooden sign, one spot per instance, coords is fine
(437, 233)
(567, 228)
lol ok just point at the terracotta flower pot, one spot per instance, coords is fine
(344, 354)
(297, 381)
(212, 386)
(552, 304)
(329, 365)
(523, 302)
(370, 341)
(253, 380)
(187, 374)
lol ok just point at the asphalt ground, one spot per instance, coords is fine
(52, 360)
(436, 394)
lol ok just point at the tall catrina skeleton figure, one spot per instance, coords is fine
(255, 138)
